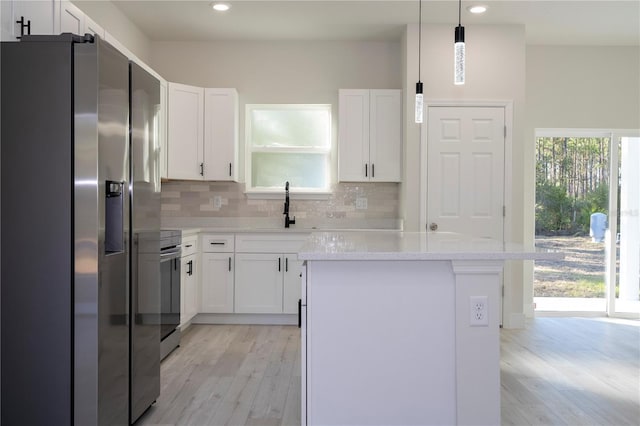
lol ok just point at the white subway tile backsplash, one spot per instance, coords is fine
(193, 202)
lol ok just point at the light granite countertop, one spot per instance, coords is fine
(242, 229)
(398, 245)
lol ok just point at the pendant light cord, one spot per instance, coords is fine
(459, 12)
(419, 37)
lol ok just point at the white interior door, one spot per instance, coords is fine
(465, 170)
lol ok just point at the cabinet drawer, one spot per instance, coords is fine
(218, 243)
(189, 245)
(270, 243)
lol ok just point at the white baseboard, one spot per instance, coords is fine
(258, 319)
(529, 311)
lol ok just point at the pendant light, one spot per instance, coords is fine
(458, 50)
(419, 107)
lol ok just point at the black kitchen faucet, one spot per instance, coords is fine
(287, 221)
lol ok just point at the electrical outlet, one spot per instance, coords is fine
(217, 202)
(361, 203)
(478, 312)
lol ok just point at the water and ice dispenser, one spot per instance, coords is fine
(114, 217)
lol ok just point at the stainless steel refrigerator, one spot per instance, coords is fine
(77, 191)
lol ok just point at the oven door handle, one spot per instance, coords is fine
(169, 255)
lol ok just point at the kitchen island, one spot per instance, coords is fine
(402, 328)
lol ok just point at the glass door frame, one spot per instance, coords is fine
(614, 163)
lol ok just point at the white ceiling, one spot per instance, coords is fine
(573, 22)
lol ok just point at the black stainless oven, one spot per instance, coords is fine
(170, 251)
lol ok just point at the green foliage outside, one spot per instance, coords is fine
(572, 182)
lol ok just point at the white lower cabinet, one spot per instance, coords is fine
(188, 288)
(189, 279)
(250, 273)
(217, 283)
(259, 283)
(218, 274)
(268, 273)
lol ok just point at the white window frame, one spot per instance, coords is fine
(300, 193)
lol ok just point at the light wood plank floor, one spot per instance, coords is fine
(558, 371)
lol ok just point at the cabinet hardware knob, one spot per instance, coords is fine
(373, 170)
(366, 169)
(433, 226)
(201, 169)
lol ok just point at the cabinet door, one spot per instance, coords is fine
(188, 289)
(162, 130)
(259, 283)
(191, 294)
(292, 283)
(385, 135)
(217, 283)
(221, 134)
(185, 132)
(42, 16)
(71, 18)
(353, 135)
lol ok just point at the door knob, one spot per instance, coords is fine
(433, 226)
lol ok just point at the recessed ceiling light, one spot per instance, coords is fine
(477, 9)
(220, 7)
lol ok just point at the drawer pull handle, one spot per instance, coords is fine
(216, 243)
(189, 245)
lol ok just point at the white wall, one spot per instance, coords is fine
(588, 87)
(281, 72)
(116, 23)
(495, 71)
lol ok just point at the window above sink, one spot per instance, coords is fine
(288, 142)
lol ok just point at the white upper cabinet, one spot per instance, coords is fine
(36, 17)
(369, 135)
(221, 134)
(202, 133)
(185, 132)
(72, 19)
(162, 130)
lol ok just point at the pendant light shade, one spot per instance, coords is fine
(419, 105)
(458, 50)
